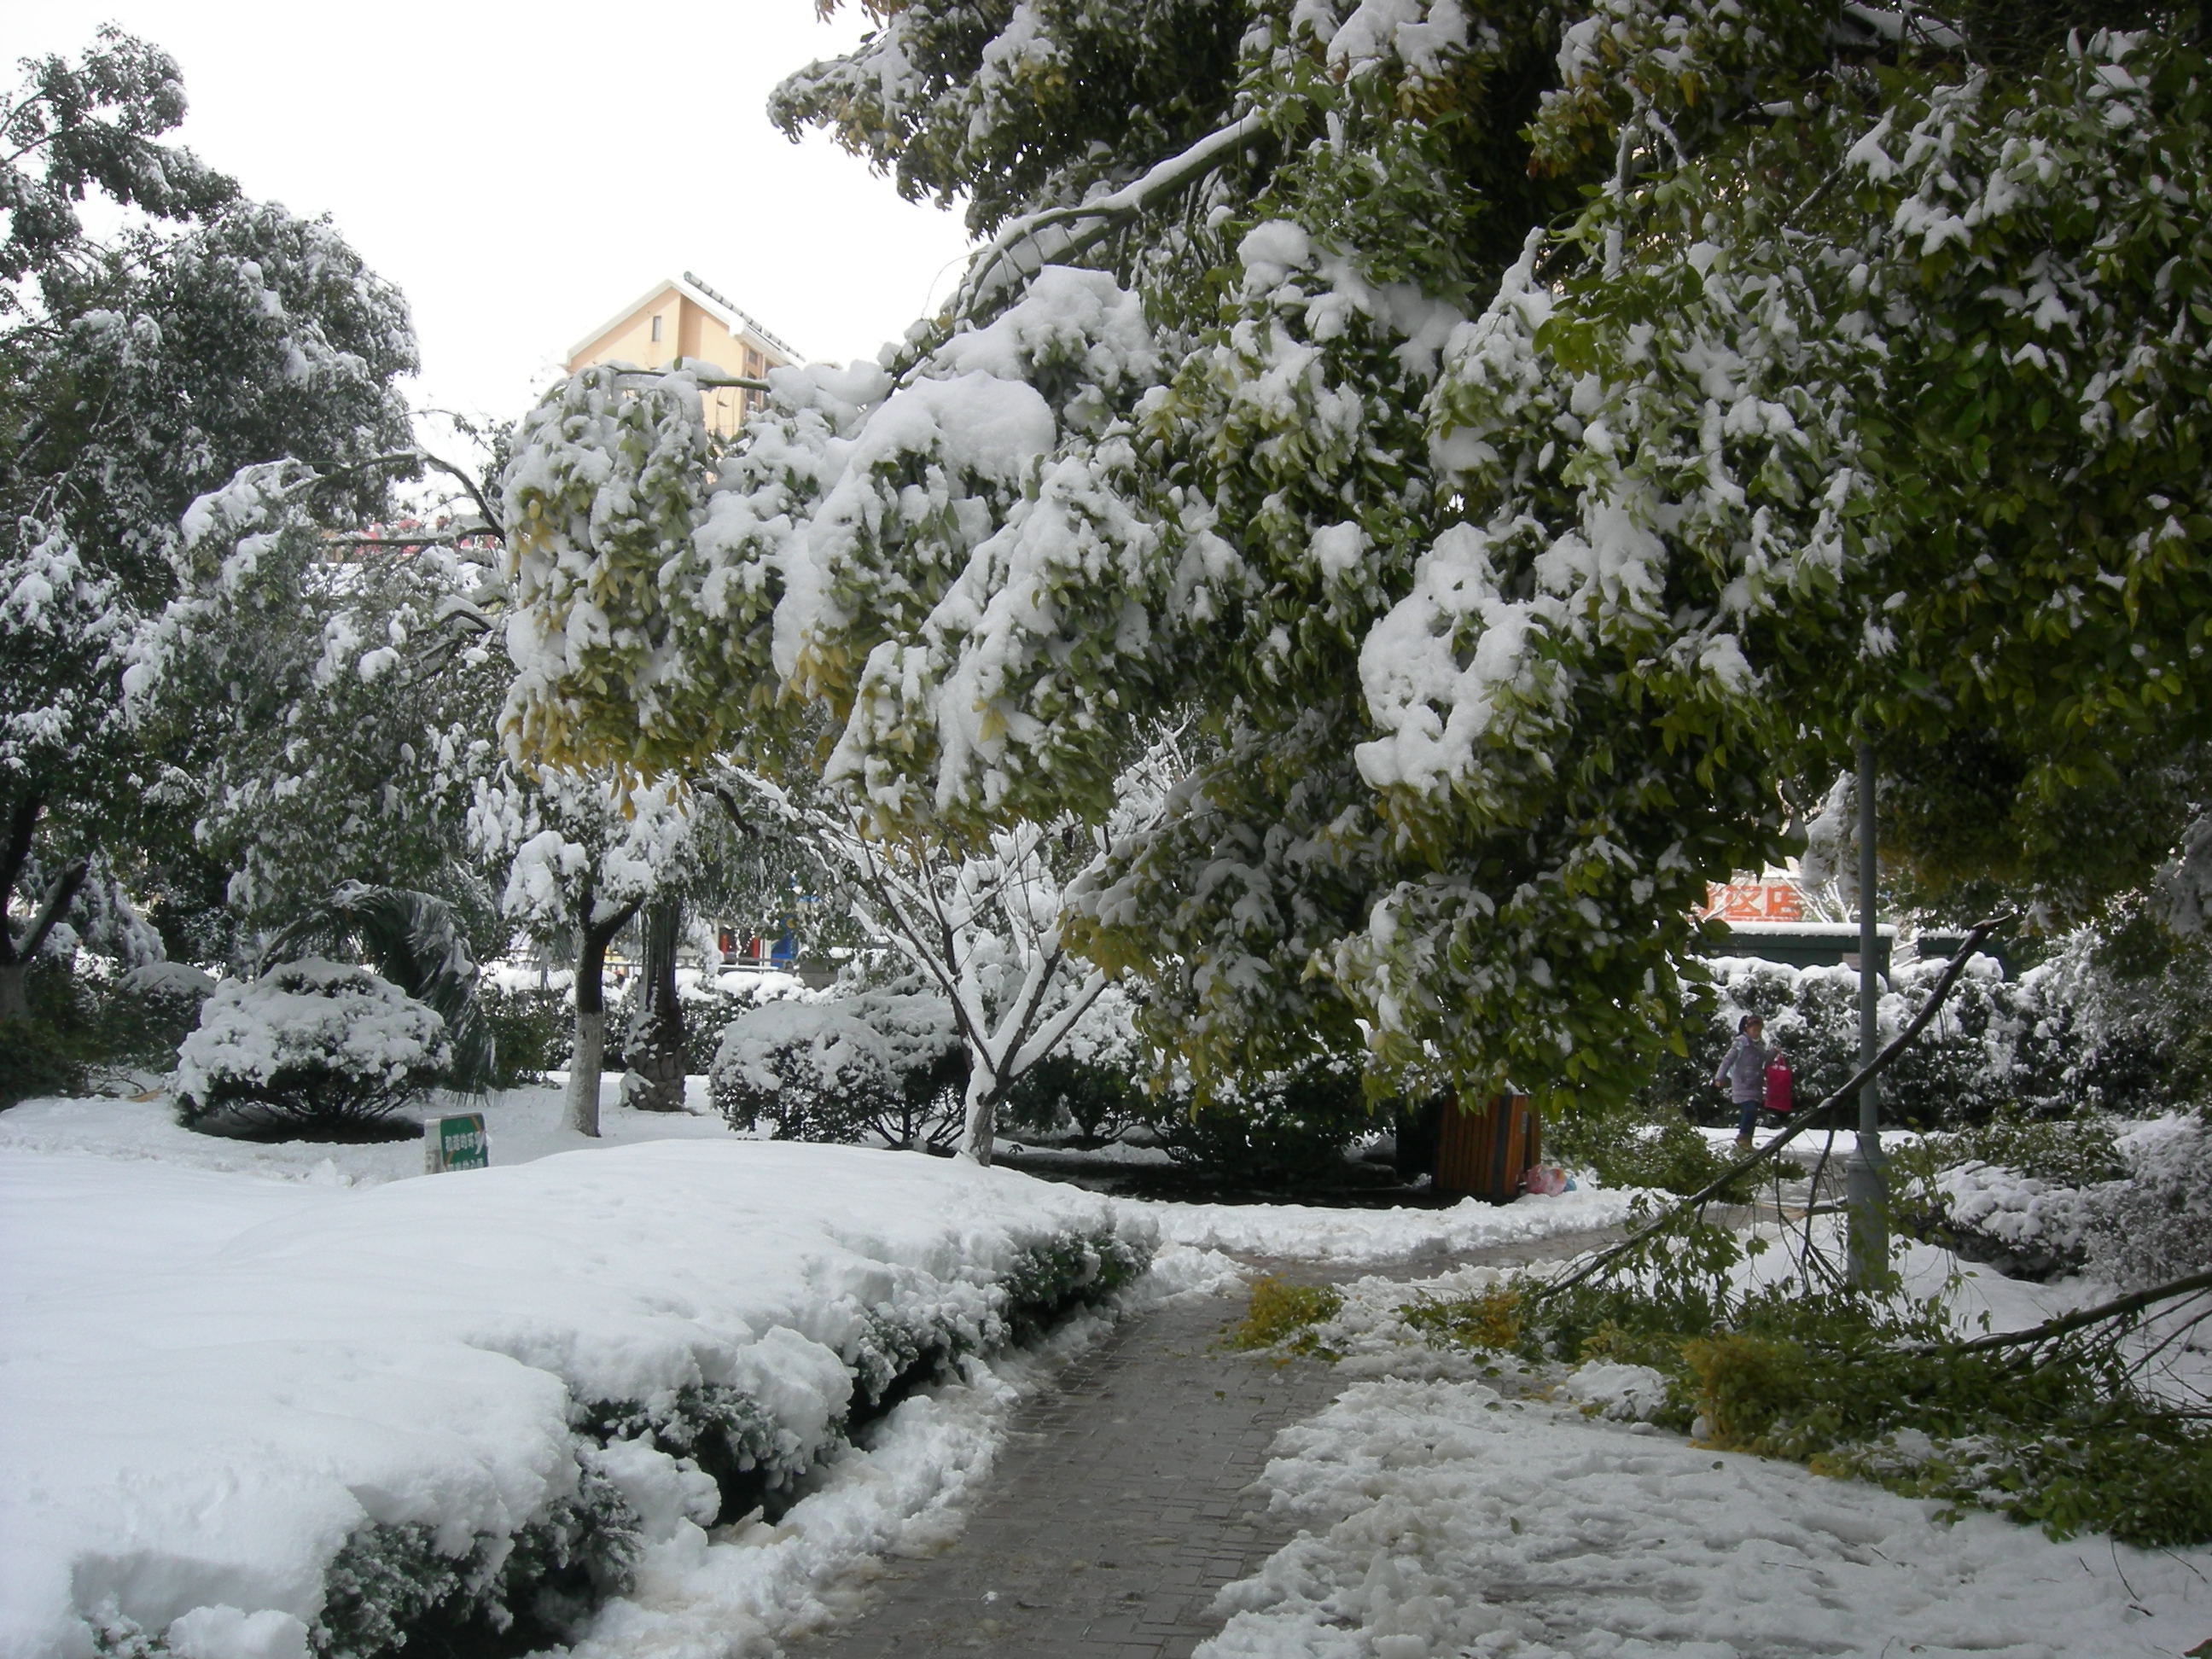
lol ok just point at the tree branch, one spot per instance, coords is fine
(1165, 178)
(467, 482)
(2119, 1308)
(58, 901)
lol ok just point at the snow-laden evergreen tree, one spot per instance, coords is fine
(331, 704)
(138, 373)
(1529, 442)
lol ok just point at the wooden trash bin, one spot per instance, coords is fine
(1485, 1153)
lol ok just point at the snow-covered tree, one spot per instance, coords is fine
(582, 855)
(329, 702)
(140, 373)
(981, 924)
(1530, 443)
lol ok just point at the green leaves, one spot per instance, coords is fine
(1522, 471)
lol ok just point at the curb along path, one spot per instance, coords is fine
(1120, 1504)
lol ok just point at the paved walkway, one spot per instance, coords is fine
(1120, 1504)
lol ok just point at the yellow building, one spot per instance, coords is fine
(684, 318)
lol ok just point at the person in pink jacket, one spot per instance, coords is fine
(1742, 1072)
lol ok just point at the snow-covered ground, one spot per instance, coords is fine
(1444, 1511)
(213, 1378)
(225, 1357)
(221, 1357)
(1365, 1237)
(1440, 1517)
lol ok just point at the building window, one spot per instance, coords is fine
(656, 330)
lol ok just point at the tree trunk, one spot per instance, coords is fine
(655, 1083)
(590, 1046)
(985, 1091)
(16, 955)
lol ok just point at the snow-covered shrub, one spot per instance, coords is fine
(2025, 1226)
(711, 1003)
(168, 995)
(1288, 1129)
(2130, 1203)
(885, 1065)
(1633, 1146)
(2156, 1224)
(311, 1045)
(392, 1586)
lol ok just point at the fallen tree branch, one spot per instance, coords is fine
(1874, 1067)
(2119, 1308)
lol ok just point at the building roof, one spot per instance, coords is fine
(710, 300)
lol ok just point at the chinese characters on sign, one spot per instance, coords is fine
(455, 1143)
(1755, 901)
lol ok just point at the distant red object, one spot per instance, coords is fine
(1777, 1085)
(1755, 901)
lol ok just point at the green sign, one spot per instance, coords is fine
(455, 1143)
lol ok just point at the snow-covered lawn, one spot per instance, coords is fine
(226, 1358)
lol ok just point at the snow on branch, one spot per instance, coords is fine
(1029, 243)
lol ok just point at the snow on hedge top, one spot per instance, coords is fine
(309, 1013)
(207, 1431)
(880, 1033)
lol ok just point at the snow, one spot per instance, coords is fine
(213, 1378)
(1373, 1235)
(223, 1356)
(1453, 1502)
(1441, 1516)
(524, 1124)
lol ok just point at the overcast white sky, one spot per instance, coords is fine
(524, 172)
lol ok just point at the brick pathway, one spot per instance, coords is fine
(1120, 1503)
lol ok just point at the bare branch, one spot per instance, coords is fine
(469, 483)
(2119, 1308)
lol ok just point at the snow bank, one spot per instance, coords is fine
(1367, 1235)
(1444, 1518)
(211, 1384)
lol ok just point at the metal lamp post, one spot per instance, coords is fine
(1868, 1203)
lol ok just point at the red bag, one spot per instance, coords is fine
(1777, 1085)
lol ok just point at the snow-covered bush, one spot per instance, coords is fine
(311, 1045)
(529, 1031)
(2156, 1225)
(886, 1066)
(539, 1384)
(168, 993)
(1998, 1044)
(1632, 1144)
(392, 1585)
(2025, 1226)
(2129, 1203)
